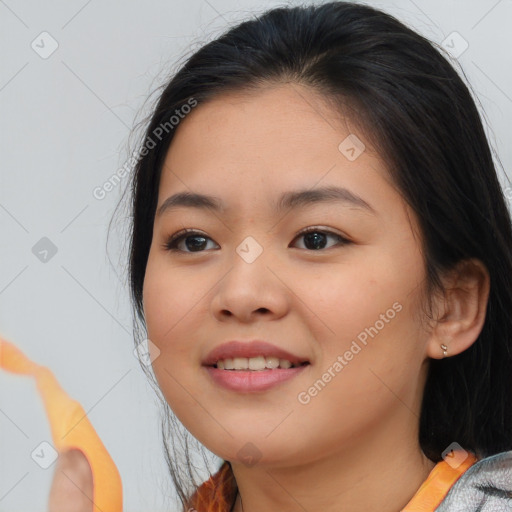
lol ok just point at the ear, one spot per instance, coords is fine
(461, 312)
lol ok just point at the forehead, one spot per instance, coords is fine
(281, 115)
(258, 144)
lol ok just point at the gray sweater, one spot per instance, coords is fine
(485, 487)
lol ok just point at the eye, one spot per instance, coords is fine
(186, 234)
(314, 239)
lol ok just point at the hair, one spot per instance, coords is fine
(420, 116)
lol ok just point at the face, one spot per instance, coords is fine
(344, 297)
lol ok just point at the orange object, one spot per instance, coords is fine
(70, 428)
(217, 494)
(440, 480)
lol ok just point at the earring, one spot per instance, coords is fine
(444, 348)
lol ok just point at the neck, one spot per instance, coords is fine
(369, 477)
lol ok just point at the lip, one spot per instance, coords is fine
(248, 349)
(251, 381)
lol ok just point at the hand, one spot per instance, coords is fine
(72, 486)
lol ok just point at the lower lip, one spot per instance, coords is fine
(252, 380)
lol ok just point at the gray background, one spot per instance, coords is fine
(65, 124)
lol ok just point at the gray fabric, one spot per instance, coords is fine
(485, 487)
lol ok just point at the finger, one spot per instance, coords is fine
(72, 486)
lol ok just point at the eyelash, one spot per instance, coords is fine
(173, 240)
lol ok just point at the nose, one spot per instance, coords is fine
(251, 288)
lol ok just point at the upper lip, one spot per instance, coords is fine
(248, 349)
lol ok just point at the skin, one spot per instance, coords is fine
(72, 485)
(354, 446)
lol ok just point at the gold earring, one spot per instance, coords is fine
(444, 348)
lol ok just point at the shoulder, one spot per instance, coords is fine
(485, 487)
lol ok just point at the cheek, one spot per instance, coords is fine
(373, 382)
(367, 317)
(164, 306)
(171, 309)
(344, 302)
(168, 297)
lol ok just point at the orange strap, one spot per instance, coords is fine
(440, 480)
(70, 428)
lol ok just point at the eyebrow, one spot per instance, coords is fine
(288, 200)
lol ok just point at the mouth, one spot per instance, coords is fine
(252, 355)
(252, 366)
(256, 364)
(246, 380)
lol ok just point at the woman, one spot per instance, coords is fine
(336, 95)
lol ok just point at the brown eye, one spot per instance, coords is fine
(195, 241)
(315, 238)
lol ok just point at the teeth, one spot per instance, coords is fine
(257, 363)
(272, 362)
(240, 363)
(253, 363)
